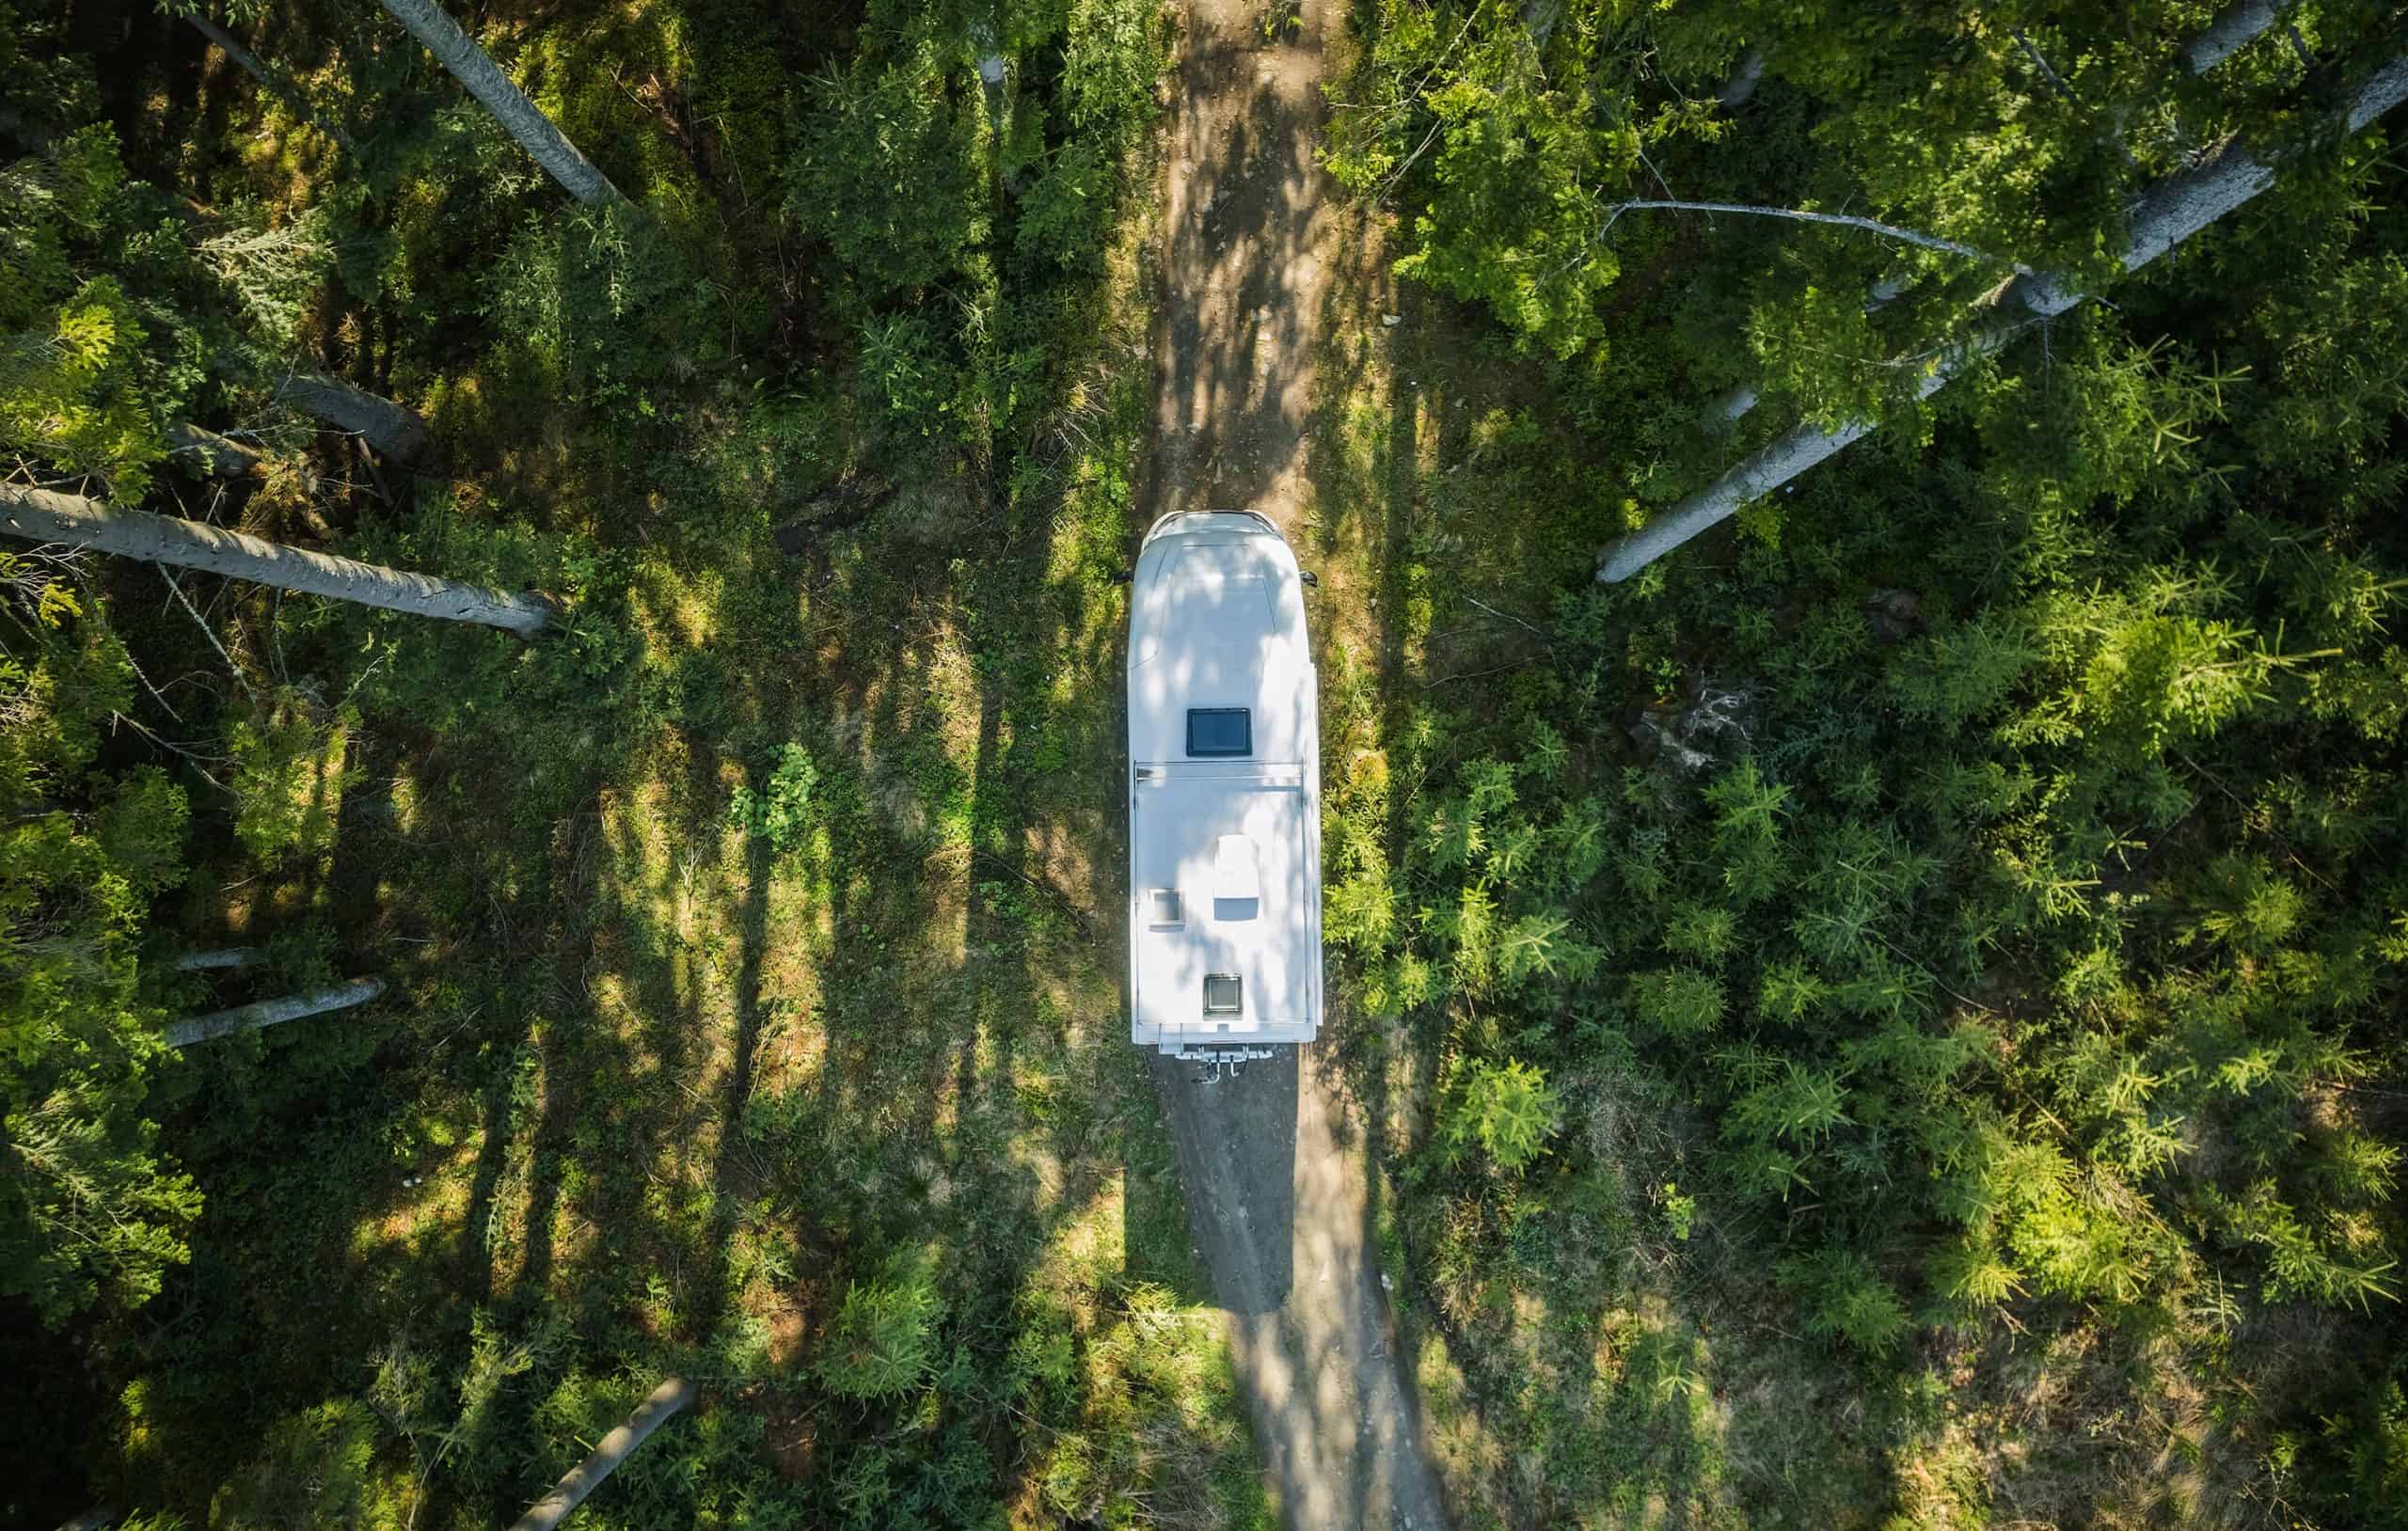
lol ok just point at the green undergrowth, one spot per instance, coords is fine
(1886, 1018)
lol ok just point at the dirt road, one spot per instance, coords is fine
(1249, 220)
(1274, 1175)
(1274, 1183)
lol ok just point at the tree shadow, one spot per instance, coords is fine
(1235, 1136)
(1575, 1358)
(653, 1090)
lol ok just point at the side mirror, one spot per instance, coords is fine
(1310, 578)
(1124, 576)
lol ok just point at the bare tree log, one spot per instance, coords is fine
(1735, 402)
(399, 433)
(2166, 215)
(215, 454)
(2235, 28)
(470, 63)
(587, 1475)
(2181, 205)
(252, 1018)
(93, 1519)
(223, 956)
(39, 515)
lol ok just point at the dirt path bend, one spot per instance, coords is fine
(1273, 1174)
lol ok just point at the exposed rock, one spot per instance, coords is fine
(1712, 726)
(1894, 614)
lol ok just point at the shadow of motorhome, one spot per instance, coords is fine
(1236, 1139)
(1279, 1212)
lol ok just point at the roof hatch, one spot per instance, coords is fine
(1219, 733)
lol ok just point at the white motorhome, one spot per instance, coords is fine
(1224, 793)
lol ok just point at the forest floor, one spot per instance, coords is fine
(1254, 244)
(753, 960)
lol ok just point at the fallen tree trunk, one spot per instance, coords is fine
(74, 521)
(223, 956)
(2235, 29)
(2166, 215)
(276, 1012)
(396, 431)
(216, 454)
(587, 1475)
(275, 85)
(520, 117)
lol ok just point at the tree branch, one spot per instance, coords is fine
(2047, 70)
(2162, 217)
(582, 1479)
(178, 592)
(1845, 220)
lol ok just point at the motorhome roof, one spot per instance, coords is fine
(1224, 817)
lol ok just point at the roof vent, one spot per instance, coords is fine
(1164, 908)
(1224, 994)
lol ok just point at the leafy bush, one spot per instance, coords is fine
(317, 1468)
(1507, 1109)
(91, 1212)
(290, 772)
(780, 813)
(887, 172)
(1999, 937)
(1846, 1300)
(883, 1340)
(601, 303)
